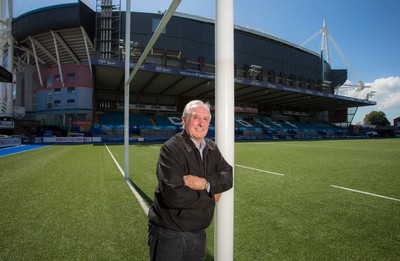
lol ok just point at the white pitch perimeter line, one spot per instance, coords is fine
(261, 170)
(137, 195)
(364, 192)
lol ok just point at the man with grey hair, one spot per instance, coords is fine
(192, 174)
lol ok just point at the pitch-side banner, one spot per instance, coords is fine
(9, 142)
(71, 139)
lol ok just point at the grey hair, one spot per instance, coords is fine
(187, 111)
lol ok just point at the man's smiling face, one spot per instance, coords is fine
(197, 124)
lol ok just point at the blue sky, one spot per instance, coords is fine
(366, 31)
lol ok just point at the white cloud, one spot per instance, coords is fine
(386, 95)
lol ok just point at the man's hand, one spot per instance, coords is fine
(217, 197)
(195, 182)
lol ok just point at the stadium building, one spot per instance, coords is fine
(69, 73)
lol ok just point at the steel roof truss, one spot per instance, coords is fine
(87, 41)
(58, 58)
(171, 85)
(36, 61)
(193, 87)
(29, 52)
(66, 47)
(43, 49)
(148, 83)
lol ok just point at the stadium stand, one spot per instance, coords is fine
(279, 91)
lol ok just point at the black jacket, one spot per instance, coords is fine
(177, 207)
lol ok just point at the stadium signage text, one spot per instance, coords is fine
(108, 62)
(162, 69)
(8, 142)
(71, 139)
(7, 124)
(148, 107)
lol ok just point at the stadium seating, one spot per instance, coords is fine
(117, 118)
(163, 126)
(167, 120)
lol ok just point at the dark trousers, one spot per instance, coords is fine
(169, 245)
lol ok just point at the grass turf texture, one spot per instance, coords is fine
(68, 203)
(71, 202)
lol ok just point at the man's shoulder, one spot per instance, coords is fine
(211, 144)
(176, 139)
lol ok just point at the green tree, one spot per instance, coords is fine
(376, 118)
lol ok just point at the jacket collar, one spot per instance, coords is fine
(189, 145)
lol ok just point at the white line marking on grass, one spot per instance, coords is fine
(364, 192)
(261, 170)
(137, 195)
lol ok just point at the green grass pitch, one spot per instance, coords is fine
(294, 200)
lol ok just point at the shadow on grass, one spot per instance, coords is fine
(146, 198)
